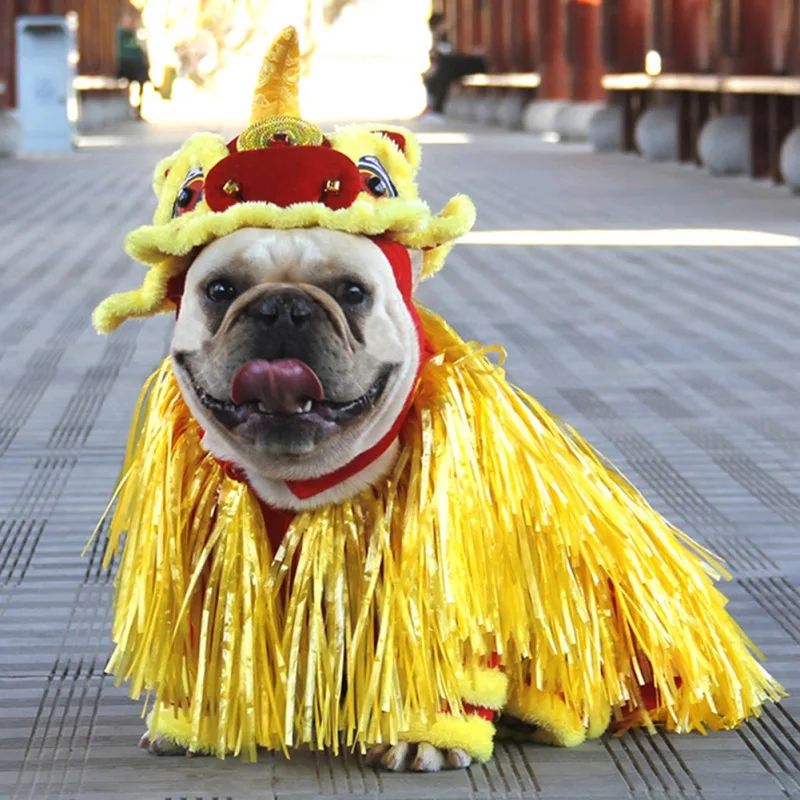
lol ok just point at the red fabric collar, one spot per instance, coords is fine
(398, 256)
(400, 260)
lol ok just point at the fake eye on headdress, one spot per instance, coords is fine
(375, 179)
(190, 194)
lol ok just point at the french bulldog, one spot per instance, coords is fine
(295, 352)
(292, 257)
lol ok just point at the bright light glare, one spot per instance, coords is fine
(663, 237)
(443, 138)
(73, 110)
(652, 63)
(99, 141)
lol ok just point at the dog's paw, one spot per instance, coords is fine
(514, 729)
(161, 746)
(422, 757)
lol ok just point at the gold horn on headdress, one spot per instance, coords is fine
(278, 79)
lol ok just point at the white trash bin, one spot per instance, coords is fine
(47, 58)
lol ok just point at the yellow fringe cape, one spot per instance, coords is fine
(498, 531)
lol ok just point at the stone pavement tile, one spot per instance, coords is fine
(678, 363)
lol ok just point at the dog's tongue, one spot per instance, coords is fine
(282, 387)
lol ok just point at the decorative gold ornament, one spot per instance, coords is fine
(279, 130)
(231, 187)
(278, 79)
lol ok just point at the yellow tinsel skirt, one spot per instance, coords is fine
(498, 532)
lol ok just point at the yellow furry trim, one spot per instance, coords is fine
(201, 151)
(149, 299)
(563, 726)
(151, 243)
(276, 91)
(276, 97)
(404, 217)
(161, 172)
(157, 244)
(549, 558)
(433, 260)
(356, 141)
(412, 151)
(599, 720)
(484, 687)
(558, 723)
(472, 734)
(452, 222)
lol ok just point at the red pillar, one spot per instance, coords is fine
(584, 50)
(455, 23)
(478, 40)
(552, 55)
(7, 55)
(522, 33)
(624, 34)
(497, 13)
(785, 38)
(755, 37)
(463, 26)
(706, 55)
(674, 34)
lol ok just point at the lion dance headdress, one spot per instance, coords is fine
(502, 565)
(282, 172)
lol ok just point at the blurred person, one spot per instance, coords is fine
(133, 62)
(446, 67)
(198, 56)
(170, 76)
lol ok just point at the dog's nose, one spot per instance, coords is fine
(287, 308)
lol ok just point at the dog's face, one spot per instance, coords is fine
(294, 348)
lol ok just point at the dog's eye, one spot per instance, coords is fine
(220, 291)
(351, 294)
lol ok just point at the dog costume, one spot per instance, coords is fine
(501, 566)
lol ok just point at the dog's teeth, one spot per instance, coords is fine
(307, 407)
(262, 408)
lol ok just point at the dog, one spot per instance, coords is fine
(370, 534)
(307, 331)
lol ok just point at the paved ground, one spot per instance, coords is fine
(680, 363)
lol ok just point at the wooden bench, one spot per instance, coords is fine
(102, 100)
(99, 83)
(510, 90)
(508, 80)
(635, 91)
(772, 103)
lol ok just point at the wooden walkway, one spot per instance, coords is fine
(678, 361)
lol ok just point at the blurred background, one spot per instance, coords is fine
(654, 306)
(711, 82)
(203, 55)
